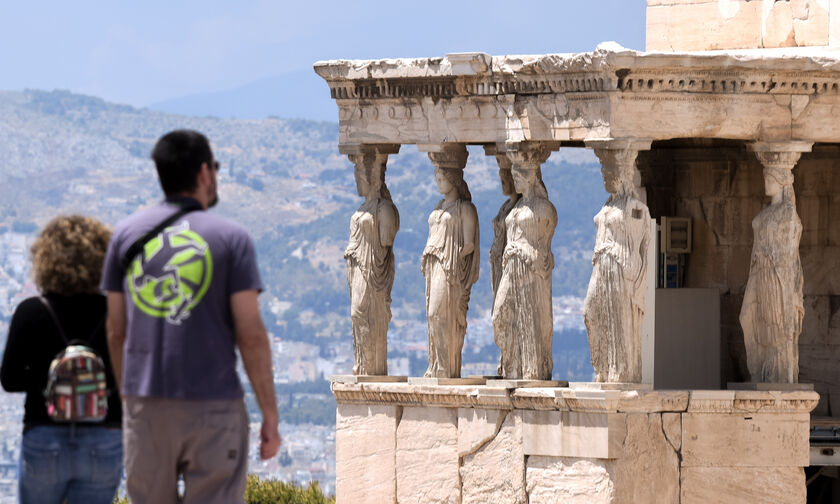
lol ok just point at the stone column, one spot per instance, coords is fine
(450, 260)
(370, 258)
(615, 299)
(773, 307)
(499, 231)
(522, 310)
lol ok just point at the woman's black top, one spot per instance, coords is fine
(34, 341)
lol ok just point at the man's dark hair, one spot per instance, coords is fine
(178, 156)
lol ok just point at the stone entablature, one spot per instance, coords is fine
(576, 399)
(611, 92)
(406, 443)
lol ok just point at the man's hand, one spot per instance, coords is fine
(270, 440)
(252, 340)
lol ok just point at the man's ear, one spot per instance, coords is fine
(203, 179)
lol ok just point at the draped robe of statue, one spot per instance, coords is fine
(523, 323)
(614, 305)
(772, 310)
(497, 250)
(370, 275)
(449, 279)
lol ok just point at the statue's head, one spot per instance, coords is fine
(452, 178)
(369, 173)
(776, 179)
(506, 178)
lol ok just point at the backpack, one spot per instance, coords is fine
(77, 389)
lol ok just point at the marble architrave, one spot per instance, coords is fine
(370, 261)
(615, 300)
(611, 92)
(450, 262)
(773, 305)
(522, 309)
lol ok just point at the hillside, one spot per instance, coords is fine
(286, 183)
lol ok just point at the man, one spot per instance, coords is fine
(176, 313)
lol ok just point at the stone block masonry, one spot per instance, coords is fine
(406, 443)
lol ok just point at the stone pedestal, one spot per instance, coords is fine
(400, 442)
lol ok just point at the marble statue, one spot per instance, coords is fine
(772, 310)
(497, 248)
(522, 312)
(615, 299)
(370, 265)
(450, 264)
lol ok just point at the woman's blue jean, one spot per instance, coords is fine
(81, 464)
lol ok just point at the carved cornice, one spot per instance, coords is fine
(566, 399)
(607, 69)
(723, 401)
(444, 396)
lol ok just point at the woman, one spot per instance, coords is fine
(370, 265)
(450, 265)
(614, 304)
(522, 312)
(772, 311)
(79, 462)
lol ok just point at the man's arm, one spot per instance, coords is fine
(252, 340)
(115, 328)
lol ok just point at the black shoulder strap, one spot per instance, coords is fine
(141, 242)
(54, 317)
(58, 326)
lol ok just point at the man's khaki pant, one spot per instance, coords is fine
(205, 441)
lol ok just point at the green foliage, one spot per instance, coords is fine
(269, 491)
(260, 491)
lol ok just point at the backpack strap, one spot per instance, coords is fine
(141, 242)
(54, 318)
(61, 332)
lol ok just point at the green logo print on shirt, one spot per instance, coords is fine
(172, 274)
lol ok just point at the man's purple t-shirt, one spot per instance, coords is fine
(180, 339)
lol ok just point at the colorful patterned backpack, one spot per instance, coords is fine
(76, 385)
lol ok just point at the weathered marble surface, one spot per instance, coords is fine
(570, 480)
(365, 452)
(727, 485)
(496, 472)
(523, 321)
(370, 263)
(615, 299)
(611, 92)
(608, 446)
(450, 263)
(427, 460)
(773, 306)
(737, 24)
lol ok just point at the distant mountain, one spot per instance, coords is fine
(286, 183)
(292, 95)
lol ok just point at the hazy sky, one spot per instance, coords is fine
(143, 52)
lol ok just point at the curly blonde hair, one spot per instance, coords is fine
(68, 255)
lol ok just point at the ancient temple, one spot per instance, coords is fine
(712, 310)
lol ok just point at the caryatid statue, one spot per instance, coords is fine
(497, 248)
(615, 300)
(523, 323)
(450, 263)
(370, 263)
(773, 307)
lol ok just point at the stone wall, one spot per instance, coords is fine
(719, 185)
(402, 443)
(698, 25)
